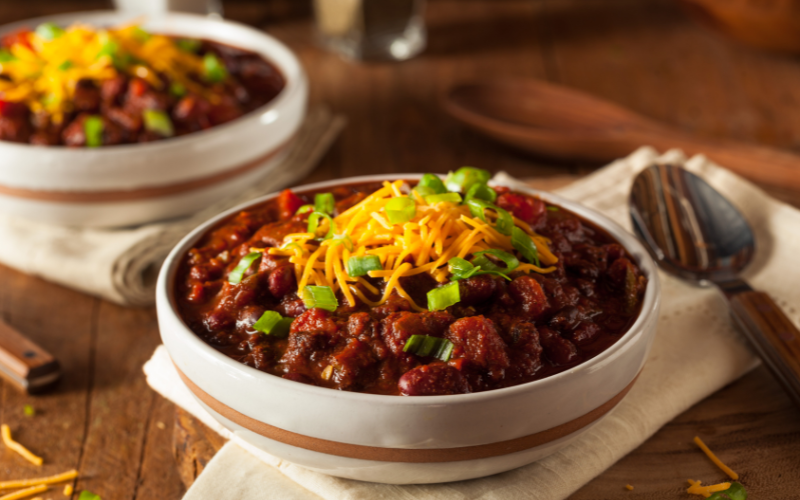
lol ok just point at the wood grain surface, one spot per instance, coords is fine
(643, 54)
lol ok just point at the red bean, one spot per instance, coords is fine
(282, 281)
(397, 328)
(528, 294)
(476, 290)
(477, 340)
(560, 350)
(435, 379)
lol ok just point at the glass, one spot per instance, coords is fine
(371, 29)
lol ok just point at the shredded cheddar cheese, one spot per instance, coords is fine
(706, 491)
(727, 470)
(13, 445)
(43, 73)
(23, 483)
(25, 493)
(424, 244)
(68, 490)
(629, 487)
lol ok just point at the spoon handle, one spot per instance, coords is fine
(772, 334)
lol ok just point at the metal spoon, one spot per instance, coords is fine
(694, 233)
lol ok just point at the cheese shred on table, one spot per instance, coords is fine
(25, 493)
(13, 445)
(706, 491)
(424, 244)
(727, 470)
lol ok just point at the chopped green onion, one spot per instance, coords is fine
(425, 345)
(361, 265)
(304, 209)
(445, 197)
(290, 245)
(552, 209)
(109, 48)
(272, 323)
(93, 130)
(188, 44)
(481, 192)
(463, 178)
(177, 89)
(88, 495)
(504, 223)
(49, 31)
(525, 246)
(420, 192)
(321, 297)
(313, 224)
(28, 411)
(235, 276)
(735, 492)
(324, 202)
(461, 269)
(432, 181)
(158, 122)
(344, 240)
(509, 260)
(400, 210)
(443, 297)
(213, 69)
(65, 65)
(141, 35)
(6, 55)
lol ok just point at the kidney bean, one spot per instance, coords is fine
(477, 290)
(282, 281)
(558, 349)
(247, 318)
(477, 340)
(566, 319)
(435, 379)
(398, 327)
(585, 333)
(528, 294)
(315, 320)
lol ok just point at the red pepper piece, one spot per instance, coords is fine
(523, 207)
(288, 203)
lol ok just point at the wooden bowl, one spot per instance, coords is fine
(764, 24)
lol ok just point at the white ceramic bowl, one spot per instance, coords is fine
(401, 440)
(139, 183)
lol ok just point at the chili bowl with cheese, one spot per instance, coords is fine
(107, 121)
(412, 329)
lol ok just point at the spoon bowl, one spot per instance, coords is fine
(693, 232)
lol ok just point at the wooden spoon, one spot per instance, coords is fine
(559, 122)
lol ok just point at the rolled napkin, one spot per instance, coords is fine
(121, 264)
(696, 352)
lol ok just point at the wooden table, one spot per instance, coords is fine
(104, 420)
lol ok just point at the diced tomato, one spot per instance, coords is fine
(21, 37)
(137, 87)
(288, 203)
(11, 109)
(523, 207)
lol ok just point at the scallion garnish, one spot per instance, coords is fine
(420, 192)
(321, 297)
(177, 89)
(361, 265)
(93, 130)
(425, 345)
(141, 35)
(272, 323)
(49, 31)
(444, 197)
(481, 192)
(463, 178)
(305, 208)
(345, 240)
(504, 223)
(525, 246)
(324, 202)
(65, 65)
(6, 55)
(213, 69)
(735, 492)
(552, 209)
(188, 44)
(235, 276)
(443, 297)
(509, 260)
(313, 224)
(400, 210)
(433, 182)
(158, 122)
(461, 269)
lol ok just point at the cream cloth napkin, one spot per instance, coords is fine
(121, 264)
(696, 352)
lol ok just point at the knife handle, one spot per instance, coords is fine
(772, 334)
(24, 363)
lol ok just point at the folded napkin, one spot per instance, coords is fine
(121, 264)
(695, 353)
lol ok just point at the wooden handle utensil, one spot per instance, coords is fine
(25, 364)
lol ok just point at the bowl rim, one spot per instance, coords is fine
(291, 87)
(166, 303)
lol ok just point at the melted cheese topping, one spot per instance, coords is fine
(437, 233)
(44, 75)
(13, 445)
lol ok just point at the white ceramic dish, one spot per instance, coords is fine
(394, 439)
(139, 183)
